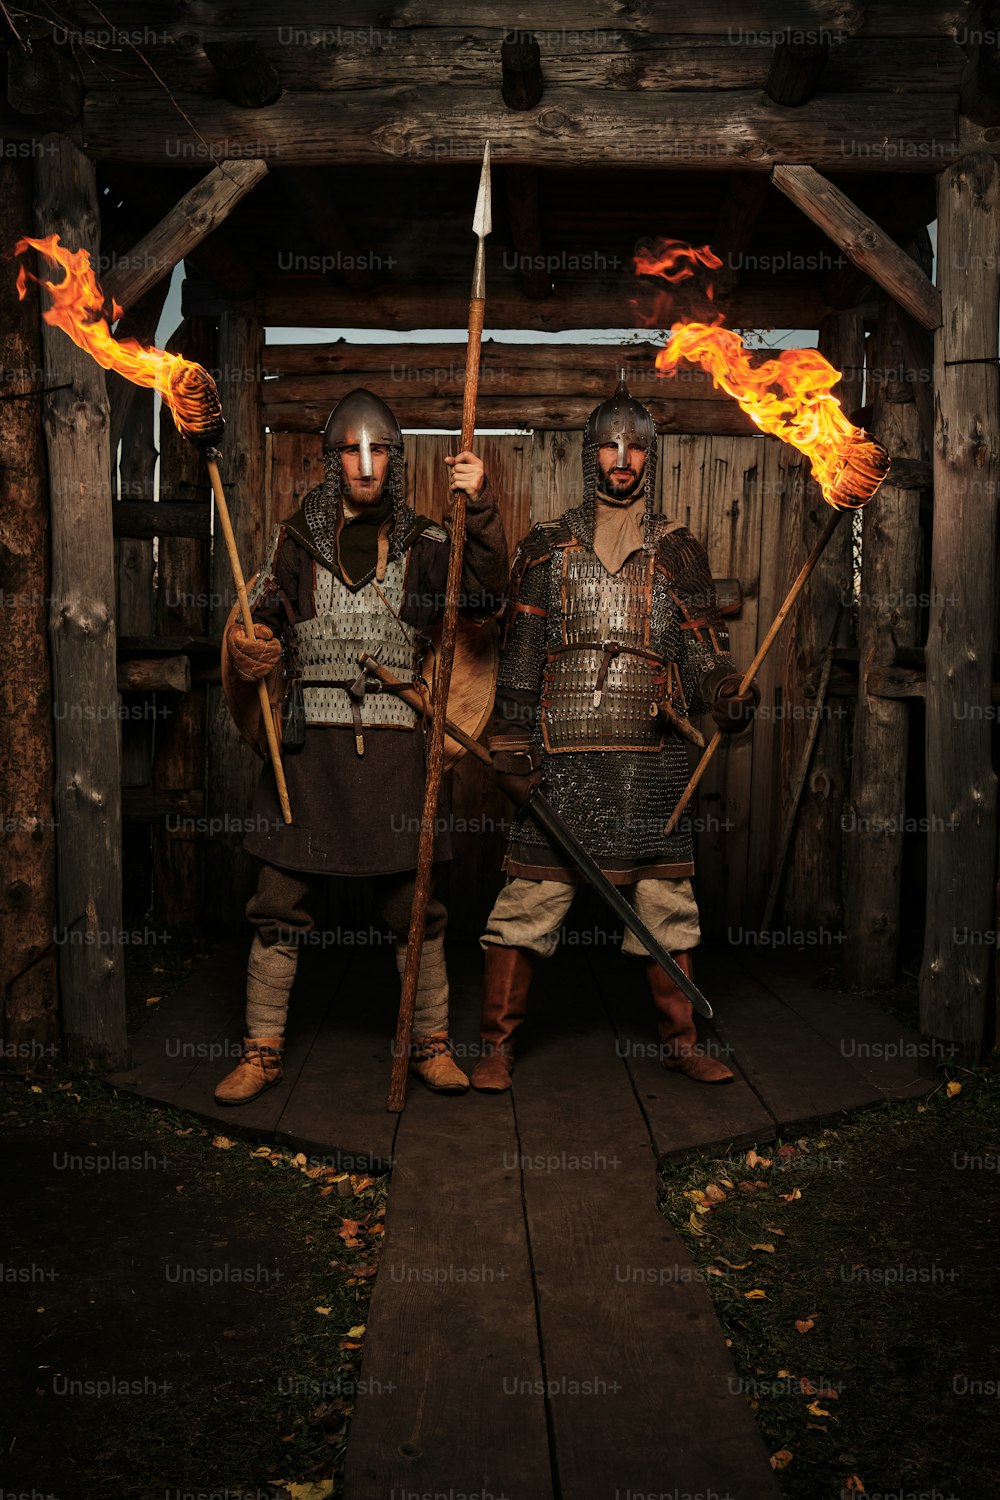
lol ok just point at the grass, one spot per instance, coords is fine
(879, 1239)
(261, 1378)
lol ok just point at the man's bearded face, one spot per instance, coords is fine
(363, 492)
(617, 481)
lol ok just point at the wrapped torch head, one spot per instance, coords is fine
(863, 465)
(197, 409)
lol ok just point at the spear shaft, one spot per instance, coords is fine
(443, 667)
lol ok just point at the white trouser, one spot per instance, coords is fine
(529, 914)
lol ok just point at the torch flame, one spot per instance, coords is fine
(77, 307)
(788, 395)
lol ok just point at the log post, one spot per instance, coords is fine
(795, 71)
(956, 975)
(29, 1024)
(82, 630)
(813, 890)
(891, 570)
(232, 769)
(182, 610)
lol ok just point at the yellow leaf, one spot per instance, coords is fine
(817, 1410)
(695, 1225)
(357, 1331)
(755, 1293)
(768, 1248)
(791, 1197)
(154, 999)
(323, 1311)
(771, 1230)
(315, 1489)
(262, 1151)
(781, 1459)
(953, 1089)
(696, 1195)
(713, 1271)
(223, 1142)
(921, 1109)
(734, 1265)
(785, 1375)
(725, 1182)
(299, 1160)
(36, 1088)
(753, 1160)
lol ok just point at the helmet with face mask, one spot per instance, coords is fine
(625, 422)
(361, 419)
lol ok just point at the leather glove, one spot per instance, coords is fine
(732, 710)
(253, 659)
(516, 765)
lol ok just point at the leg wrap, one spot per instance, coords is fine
(270, 974)
(430, 1012)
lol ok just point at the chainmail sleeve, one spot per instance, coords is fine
(523, 647)
(704, 637)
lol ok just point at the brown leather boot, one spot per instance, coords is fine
(681, 1052)
(506, 981)
(258, 1069)
(432, 1061)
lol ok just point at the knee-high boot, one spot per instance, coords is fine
(506, 982)
(677, 1031)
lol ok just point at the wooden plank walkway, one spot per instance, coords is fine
(537, 1330)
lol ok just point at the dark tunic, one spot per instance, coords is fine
(360, 815)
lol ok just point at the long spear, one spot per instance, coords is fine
(481, 226)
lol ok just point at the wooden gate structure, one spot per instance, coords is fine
(318, 174)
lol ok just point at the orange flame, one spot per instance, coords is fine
(77, 307)
(788, 395)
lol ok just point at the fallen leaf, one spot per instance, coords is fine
(694, 1224)
(315, 1489)
(154, 999)
(734, 1265)
(781, 1459)
(786, 1152)
(377, 1229)
(714, 1194)
(349, 1228)
(324, 1191)
(852, 1485)
(784, 1375)
(725, 1182)
(184, 1132)
(804, 1324)
(324, 1312)
(768, 1248)
(713, 1271)
(753, 1160)
(755, 1293)
(816, 1410)
(36, 1088)
(223, 1142)
(921, 1109)
(361, 1184)
(791, 1197)
(262, 1151)
(771, 1230)
(358, 1331)
(953, 1089)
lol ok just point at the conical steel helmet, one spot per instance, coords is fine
(361, 417)
(622, 420)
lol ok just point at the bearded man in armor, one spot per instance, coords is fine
(354, 569)
(612, 643)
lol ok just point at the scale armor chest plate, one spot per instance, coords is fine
(345, 624)
(612, 652)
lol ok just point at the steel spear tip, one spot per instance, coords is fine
(482, 223)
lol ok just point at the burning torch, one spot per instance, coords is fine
(789, 396)
(77, 307)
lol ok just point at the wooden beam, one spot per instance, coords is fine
(201, 210)
(143, 518)
(522, 84)
(232, 774)
(308, 413)
(82, 632)
(891, 573)
(524, 211)
(795, 71)
(29, 983)
(44, 80)
(312, 198)
(246, 76)
(597, 302)
(862, 241)
(573, 127)
(738, 218)
(979, 87)
(956, 975)
(158, 674)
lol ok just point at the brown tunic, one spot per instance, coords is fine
(360, 815)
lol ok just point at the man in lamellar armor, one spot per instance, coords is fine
(612, 644)
(354, 569)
